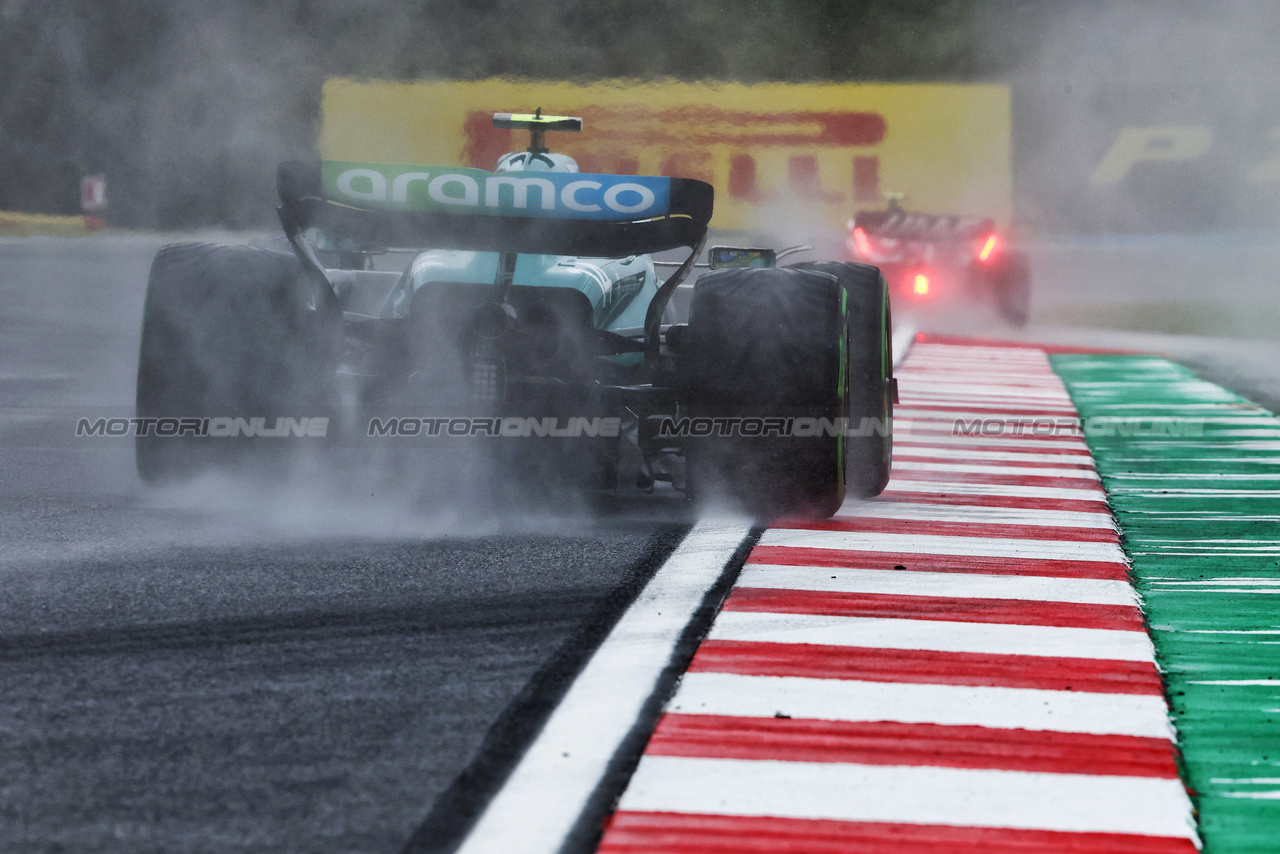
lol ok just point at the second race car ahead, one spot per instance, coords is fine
(931, 260)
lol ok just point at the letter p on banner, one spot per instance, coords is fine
(1136, 145)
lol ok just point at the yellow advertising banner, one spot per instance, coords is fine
(807, 155)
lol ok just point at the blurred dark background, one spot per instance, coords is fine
(187, 105)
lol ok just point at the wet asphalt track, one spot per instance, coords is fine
(229, 666)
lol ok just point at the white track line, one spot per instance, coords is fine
(544, 796)
(1012, 426)
(943, 545)
(1027, 456)
(986, 381)
(960, 585)
(914, 795)
(958, 362)
(933, 635)
(996, 405)
(951, 440)
(982, 351)
(1010, 490)
(1022, 394)
(975, 514)
(972, 406)
(804, 698)
(943, 353)
(903, 341)
(1005, 470)
(996, 425)
(1017, 395)
(945, 410)
(966, 411)
(1027, 378)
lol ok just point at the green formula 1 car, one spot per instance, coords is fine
(531, 318)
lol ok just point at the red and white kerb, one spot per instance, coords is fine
(958, 665)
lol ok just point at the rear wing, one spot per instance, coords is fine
(898, 224)
(548, 213)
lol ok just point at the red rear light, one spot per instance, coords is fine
(987, 248)
(921, 284)
(862, 242)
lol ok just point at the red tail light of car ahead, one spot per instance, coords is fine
(862, 242)
(988, 249)
(920, 285)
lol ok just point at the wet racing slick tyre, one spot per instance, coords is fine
(1011, 280)
(229, 332)
(765, 369)
(869, 414)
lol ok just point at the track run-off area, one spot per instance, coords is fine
(966, 663)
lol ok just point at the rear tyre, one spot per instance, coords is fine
(1012, 281)
(765, 354)
(868, 451)
(228, 332)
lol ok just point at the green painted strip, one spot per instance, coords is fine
(1197, 497)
